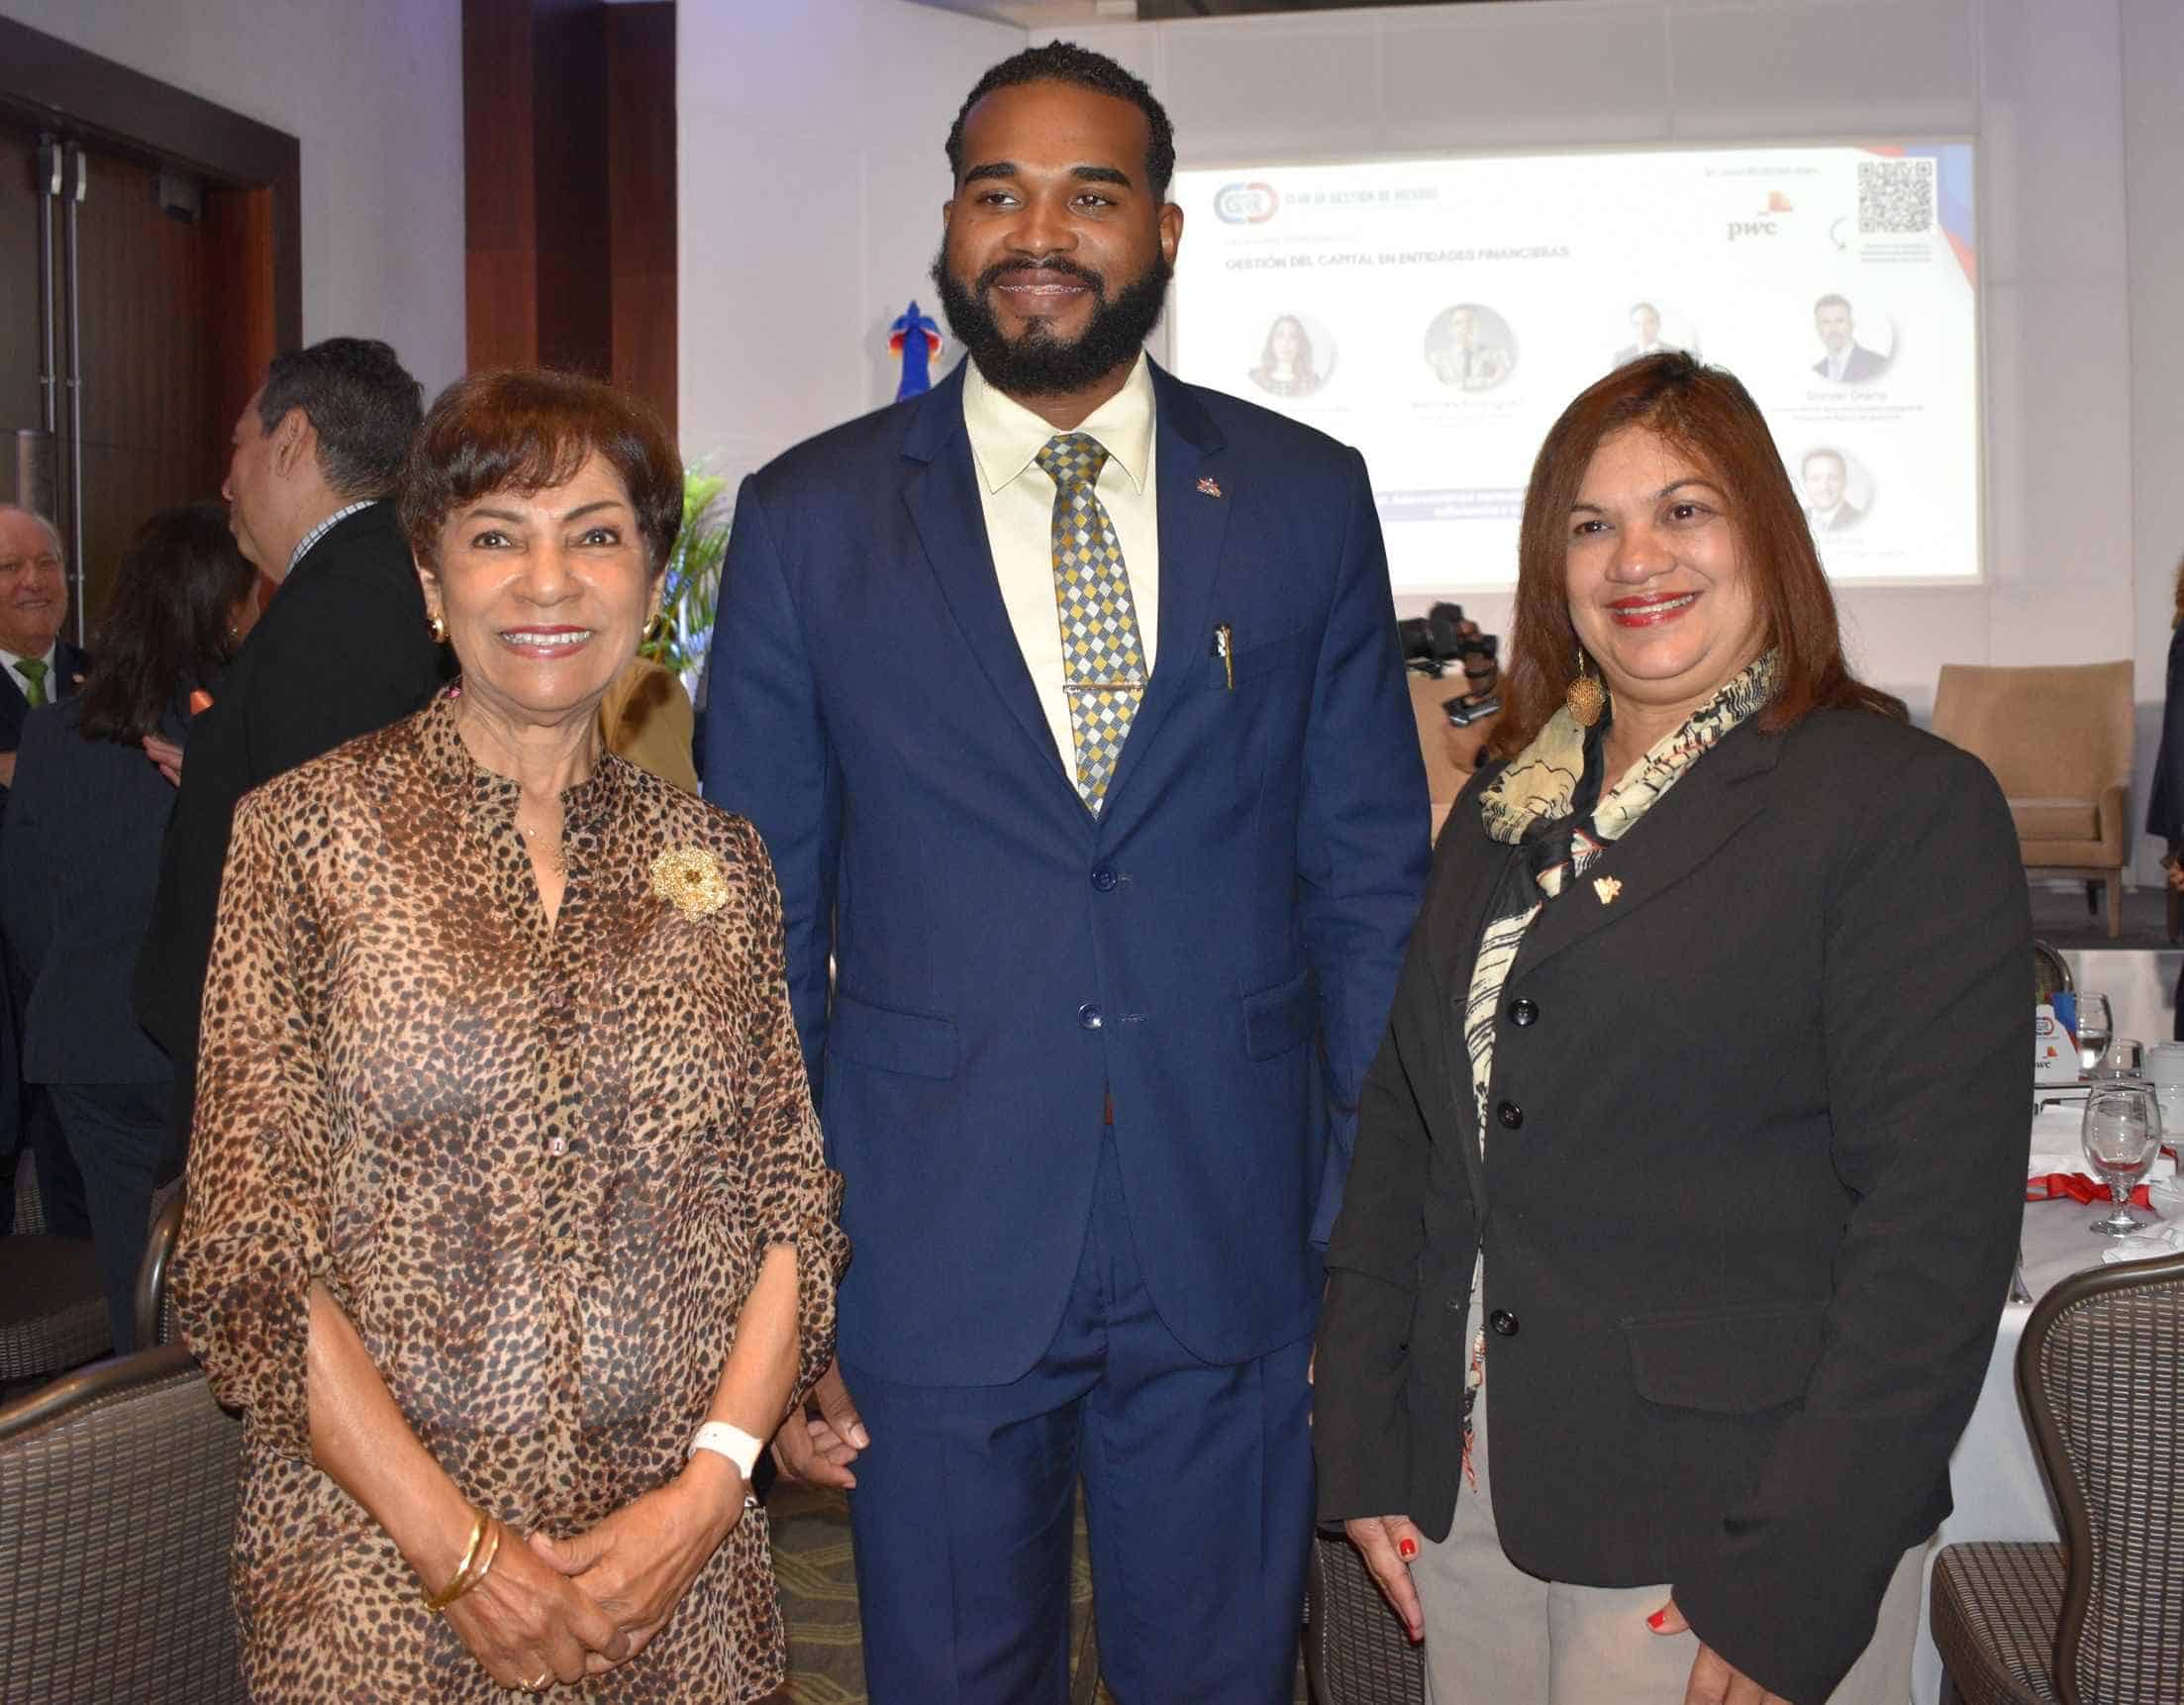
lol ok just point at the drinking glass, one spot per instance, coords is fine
(2123, 1059)
(2094, 1031)
(2122, 1134)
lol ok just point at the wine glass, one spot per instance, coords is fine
(2122, 1134)
(2124, 1058)
(2094, 1031)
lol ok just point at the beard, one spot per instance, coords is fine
(1039, 364)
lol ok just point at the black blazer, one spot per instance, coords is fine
(77, 868)
(340, 650)
(1750, 1199)
(2166, 799)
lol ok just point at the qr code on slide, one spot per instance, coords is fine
(1895, 197)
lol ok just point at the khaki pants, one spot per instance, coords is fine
(1497, 1636)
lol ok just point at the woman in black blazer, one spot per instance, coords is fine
(2165, 798)
(80, 860)
(1695, 1148)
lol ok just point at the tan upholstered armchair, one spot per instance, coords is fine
(2058, 740)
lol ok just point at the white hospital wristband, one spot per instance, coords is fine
(733, 1443)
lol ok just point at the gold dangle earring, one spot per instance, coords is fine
(1586, 697)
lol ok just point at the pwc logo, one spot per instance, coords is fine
(1246, 203)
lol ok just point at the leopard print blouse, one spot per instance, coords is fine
(538, 1166)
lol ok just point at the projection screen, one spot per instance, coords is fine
(1439, 314)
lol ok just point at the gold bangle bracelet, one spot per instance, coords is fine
(456, 1586)
(485, 1561)
(467, 1581)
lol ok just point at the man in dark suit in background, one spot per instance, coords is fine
(37, 666)
(342, 648)
(1068, 700)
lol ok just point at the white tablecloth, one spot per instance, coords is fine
(1995, 1472)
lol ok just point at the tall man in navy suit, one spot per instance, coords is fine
(1068, 700)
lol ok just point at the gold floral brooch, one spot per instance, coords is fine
(691, 879)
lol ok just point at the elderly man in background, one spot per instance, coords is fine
(37, 666)
(342, 650)
(36, 662)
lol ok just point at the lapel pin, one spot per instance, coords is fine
(1607, 887)
(1225, 647)
(1210, 486)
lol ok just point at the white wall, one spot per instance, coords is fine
(838, 113)
(811, 179)
(373, 94)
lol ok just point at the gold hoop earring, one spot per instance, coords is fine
(1586, 697)
(657, 629)
(438, 628)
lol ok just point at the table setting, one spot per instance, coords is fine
(2100, 1187)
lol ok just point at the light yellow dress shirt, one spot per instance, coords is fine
(1019, 503)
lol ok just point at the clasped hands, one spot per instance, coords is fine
(558, 1610)
(1390, 1544)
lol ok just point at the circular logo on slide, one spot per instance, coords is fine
(1246, 203)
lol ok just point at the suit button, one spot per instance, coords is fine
(1088, 1017)
(1523, 1013)
(1104, 879)
(1510, 1114)
(1503, 1322)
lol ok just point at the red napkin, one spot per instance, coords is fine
(2048, 1186)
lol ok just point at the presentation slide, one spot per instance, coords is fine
(1439, 314)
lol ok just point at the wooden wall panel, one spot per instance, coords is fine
(569, 121)
(153, 379)
(499, 184)
(20, 403)
(640, 210)
(569, 188)
(177, 319)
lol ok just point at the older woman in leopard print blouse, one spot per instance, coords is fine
(505, 1179)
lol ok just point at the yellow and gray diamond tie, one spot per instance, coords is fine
(1103, 657)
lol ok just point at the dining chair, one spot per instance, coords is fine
(52, 1299)
(117, 1516)
(154, 1308)
(2098, 1620)
(1356, 1651)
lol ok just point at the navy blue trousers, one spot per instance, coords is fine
(1198, 1487)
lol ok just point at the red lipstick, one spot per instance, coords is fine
(1650, 609)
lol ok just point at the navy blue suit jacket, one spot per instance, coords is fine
(1217, 949)
(70, 664)
(78, 864)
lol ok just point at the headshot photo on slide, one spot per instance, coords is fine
(1652, 327)
(1469, 347)
(1296, 359)
(1855, 347)
(1834, 487)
